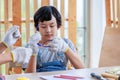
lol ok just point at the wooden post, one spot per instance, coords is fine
(0, 23)
(35, 5)
(6, 14)
(0, 35)
(55, 3)
(45, 2)
(118, 12)
(16, 6)
(72, 20)
(108, 13)
(63, 17)
(114, 15)
(27, 20)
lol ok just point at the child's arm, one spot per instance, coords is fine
(2, 47)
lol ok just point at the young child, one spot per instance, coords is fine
(52, 52)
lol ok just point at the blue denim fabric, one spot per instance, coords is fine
(51, 66)
(47, 61)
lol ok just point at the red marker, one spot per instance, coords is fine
(69, 77)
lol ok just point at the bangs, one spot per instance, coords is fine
(46, 15)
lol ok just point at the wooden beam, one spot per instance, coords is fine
(45, 2)
(118, 12)
(6, 24)
(63, 17)
(6, 14)
(27, 20)
(16, 6)
(113, 11)
(35, 5)
(0, 24)
(22, 21)
(55, 3)
(108, 13)
(72, 20)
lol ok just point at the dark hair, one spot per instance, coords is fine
(45, 14)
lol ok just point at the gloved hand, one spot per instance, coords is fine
(11, 36)
(32, 43)
(58, 45)
(21, 55)
(35, 38)
(34, 48)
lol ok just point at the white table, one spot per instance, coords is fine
(79, 72)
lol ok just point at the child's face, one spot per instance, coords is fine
(48, 29)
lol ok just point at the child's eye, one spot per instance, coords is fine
(43, 27)
(52, 26)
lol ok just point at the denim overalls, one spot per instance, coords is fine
(47, 61)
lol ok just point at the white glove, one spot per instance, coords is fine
(11, 36)
(35, 38)
(21, 55)
(32, 43)
(34, 48)
(58, 45)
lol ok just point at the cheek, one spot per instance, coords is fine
(55, 31)
(41, 31)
